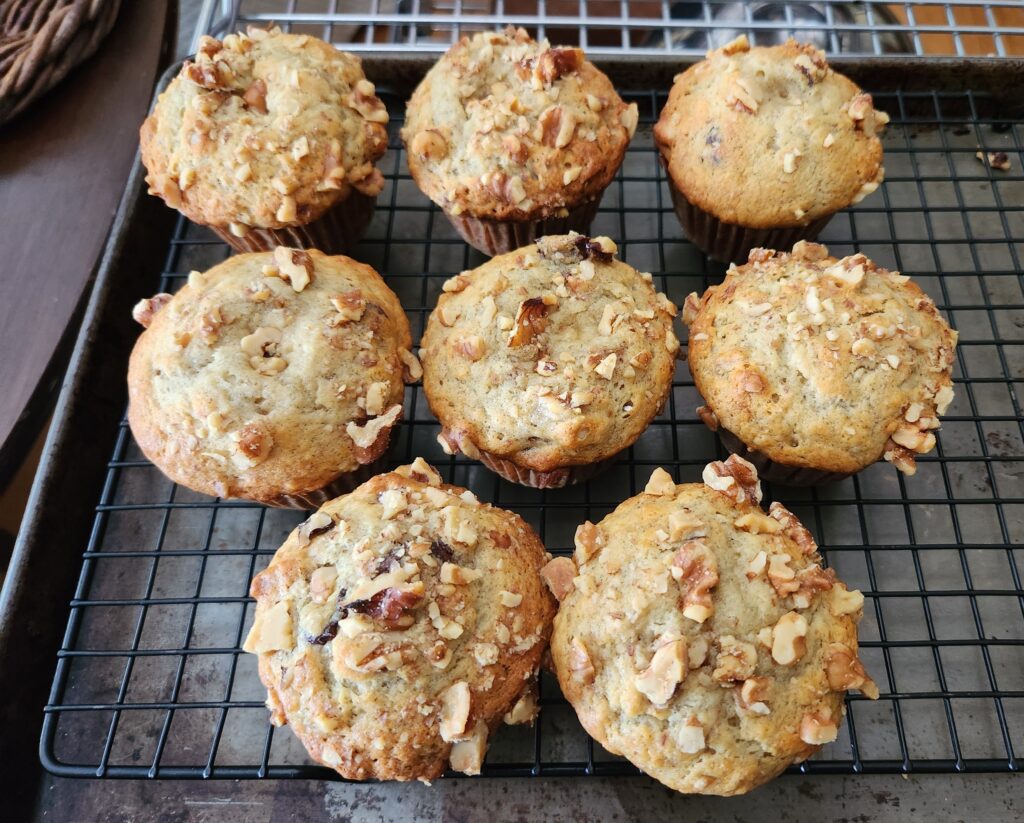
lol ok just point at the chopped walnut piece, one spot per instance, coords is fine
(735, 477)
(255, 96)
(606, 368)
(630, 118)
(740, 97)
(709, 417)
(525, 710)
(736, 660)
(660, 483)
(459, 575)
(689, 737)
(996, 159)
(420, 470)
(530, 321)
(472, 347)
(902, 458)
(736, 46)
(818, 728)
(757, 522)
(145, 310)
(413, 368)
(429, 145)
(752, 693)
(781, 576)
(317, 524)
(295, 266)
(580, 665)
(793, 528)
(684, 525)
(667, 670)
(321, 583)
(271, 631)
(554, 63)
(366, 102)
(263, 342)
(811, 580)
(757, 565)
(467, 755)
(454, 711)
(845, 601)
(750, 381)
(510, 599)
(696, 569)
(366, 435)
(846, 672)
(558, 573)
(588, 542)
(789, 639)
(253, 443)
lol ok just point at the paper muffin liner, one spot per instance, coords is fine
(495, 237)
(342, 484)
(336, 231)
(553, 479)
(768, 469)
(730, 243)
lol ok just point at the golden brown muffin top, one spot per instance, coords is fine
(264, 129)
(507, 128)
(398, 626)
(269, 374)
(701, 638)
(821, 363)
(553, 355)
(770, 137)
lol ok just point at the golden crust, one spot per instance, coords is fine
(770, 137)
(705, 705)
(505, 128)
(264, 130)
(554, 355)
(242, 386)
(385, 691)
(822, 363)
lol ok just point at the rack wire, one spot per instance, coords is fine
(150, 680)
(645, 27)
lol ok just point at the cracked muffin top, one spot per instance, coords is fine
(701, 638)
(269, 374)
(507, 128)
(553, 355)
(770, 137)
(399, 625)
(821, 363)
(264, 130)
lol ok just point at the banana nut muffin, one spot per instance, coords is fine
(399, 625)
(269, 139)
(546, 362)
(763, 145)
(814, 368)
(515, 139)
(701, 638)
(272, 377)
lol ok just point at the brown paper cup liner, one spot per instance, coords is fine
(342, 484)
(336, 231)
(730, 243)
(553, 479)
(768, 469)
(499, 236)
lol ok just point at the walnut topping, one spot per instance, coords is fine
(736, 660)
(818, 728)
(510, 599)
(757, 565)
(531, 320)
(295, 266)
(558, 573)
(413, 369)
(667, 670)
(750, 381)
(809, 581)
(696, 569)
(555, 127)
(454, 711)
(366, 435)
(689, 737)
(684, 525)
(606, 368)
(814, 68)
(781, 576)
(735, 477)
(629, 118)
(271, 631)
(588, 541)
(660, 483)
(393, 502)
(525, 710)
(709, 417)
(317, 524)
(554, 63)
(794, 529)
(253, 444)
(467, 756)
(736, 46)
(757, 522)
(215, 75)
(789, 639)
(287, 212)
(350, 305)
(145, 310)
(752, 693)
(845, 601)
(366, 102)
(459, 575)
(421, 470)
(472, 347)
(321, 583)
(846, 672)
(262, 343)
(255, 96)
(580, 665)
(429, 145)
(740, 97)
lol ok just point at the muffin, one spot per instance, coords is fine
(269, 139)
(271, 377)
(813, 368)
(515, 139)
(546, 362)
(701, 638)
(763, 145)
(399, 625)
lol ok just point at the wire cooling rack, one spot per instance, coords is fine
(645, 27)
(150, 681)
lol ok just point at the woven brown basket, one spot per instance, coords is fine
(42, 40)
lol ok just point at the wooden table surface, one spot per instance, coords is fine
(63, 166)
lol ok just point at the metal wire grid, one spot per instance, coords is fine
(150, 681)
(643, 27)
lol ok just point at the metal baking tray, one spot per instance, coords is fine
(150, 680)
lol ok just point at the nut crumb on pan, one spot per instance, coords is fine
(995, 159)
